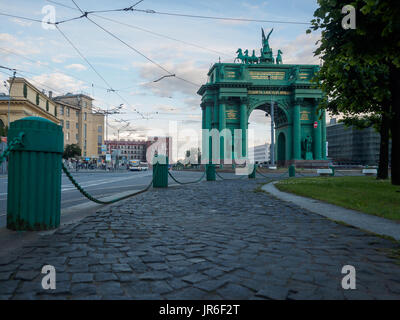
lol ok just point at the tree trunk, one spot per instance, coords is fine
(384, 144)
(395, 126)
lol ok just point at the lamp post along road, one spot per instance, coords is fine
(9, 99)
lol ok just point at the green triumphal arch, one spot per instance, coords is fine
(234, 90)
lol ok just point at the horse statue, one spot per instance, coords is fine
(279, 57)
(243, 57)
(253, 58)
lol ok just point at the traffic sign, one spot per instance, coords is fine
(315, 125)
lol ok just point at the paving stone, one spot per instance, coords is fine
(235, 292)
(82, 277)
(204, 241)
(105, 276)
(121, 267)
(154, 275)
(195, 277)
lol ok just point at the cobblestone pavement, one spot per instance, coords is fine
(213, 240)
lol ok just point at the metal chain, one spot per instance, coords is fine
(221, 177)
(198, 180)
(87, 195)
(17, 141)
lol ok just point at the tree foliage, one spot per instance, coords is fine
(71, 151)
(361, 67)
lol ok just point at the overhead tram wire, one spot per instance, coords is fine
(169, 73)
(146, 30)
(93, 68)
(150, 11)
(218, 18)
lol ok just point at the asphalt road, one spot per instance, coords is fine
(98, 184)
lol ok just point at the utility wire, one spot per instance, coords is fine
(137, 51)
(217, 18)
(83, 57)
(145, 30)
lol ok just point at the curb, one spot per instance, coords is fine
(354, 218)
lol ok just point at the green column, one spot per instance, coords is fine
(222, 126)
(208, 126)
(323, 134)
(296, 133)
(243, 127)
(317, 135)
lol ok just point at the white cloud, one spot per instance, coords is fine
(300, 50)
(168, 86)
(58, 82)
(21, 22)
(19, 46)
(76, 66)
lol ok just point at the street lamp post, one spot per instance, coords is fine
(9, 99)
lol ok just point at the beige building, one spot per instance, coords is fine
(81, 125)
(26, 101)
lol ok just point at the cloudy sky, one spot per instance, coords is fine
(184, 46)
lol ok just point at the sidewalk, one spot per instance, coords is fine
(212, 240)
(354, 218)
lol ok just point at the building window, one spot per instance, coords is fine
(77, 125)
(67, 112)
(37, 98)
(77, 137)
(61, 111)
(85, 116)
(99, 129)
(99, 140)
(67, 136)
(62, 123)
(67, 124)
(25, 90)
(77, 113)
(85, 131)
(47, 105)
(55, 111)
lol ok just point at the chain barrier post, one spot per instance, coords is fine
(160, 171)
(252, 175)
(292, 171)
(34, 175)
(210, 172)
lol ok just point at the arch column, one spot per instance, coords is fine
(317, 134)
(296, 131)
(244, 125)
(222, 126)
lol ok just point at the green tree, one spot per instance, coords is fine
(361, 67)
(71, 151)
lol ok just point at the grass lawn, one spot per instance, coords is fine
(365, 194)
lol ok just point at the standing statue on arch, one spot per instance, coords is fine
(266, 51)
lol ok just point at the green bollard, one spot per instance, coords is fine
(34, 175)
(292, 171)
(160, 171)
(210, 172)
(333, 171)
(252, 175)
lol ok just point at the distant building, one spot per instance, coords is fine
(130, 150)
(137, 149)
(261, 153)
(348, 145)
